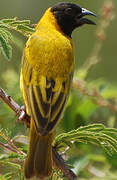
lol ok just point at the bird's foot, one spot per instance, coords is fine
(23, 116)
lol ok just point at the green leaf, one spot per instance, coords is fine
(21, 26)
(10, 20)
(96, 134)
(11, 156)
(3, 26)
(6, 34)
(5, 47)
(25, 28)
(9, 35)
(15, 165)
(15, 23)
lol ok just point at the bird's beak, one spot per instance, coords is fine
(85, 20)
(82, 20)
(86, 12)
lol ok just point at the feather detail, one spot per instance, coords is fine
(45, 99)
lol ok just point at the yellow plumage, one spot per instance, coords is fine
(46, 75)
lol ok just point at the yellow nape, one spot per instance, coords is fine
(49, 21)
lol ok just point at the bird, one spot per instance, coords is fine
(47, 70)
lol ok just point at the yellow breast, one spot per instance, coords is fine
(48, 50)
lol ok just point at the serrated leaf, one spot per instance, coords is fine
(2, 25)
(17, 166)
(8, 20)
(5, 47)
(6, 34)
(96, 134)
(25, 28)
(21, 26)
(10, 37)
(12, 155)
(25, 22)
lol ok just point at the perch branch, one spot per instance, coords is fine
(25, 119)
(20, 111)
(60, 163)
(10, 148)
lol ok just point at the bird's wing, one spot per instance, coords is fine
(45, 100)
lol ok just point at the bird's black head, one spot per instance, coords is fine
(71, 16)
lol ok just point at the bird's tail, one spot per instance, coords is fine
(39, 159)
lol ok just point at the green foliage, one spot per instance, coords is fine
(14, 163)
(5, 47)
(95, 134)
(6, 25)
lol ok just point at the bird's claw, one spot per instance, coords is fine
(23, 116)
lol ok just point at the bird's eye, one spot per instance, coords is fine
(68, 11)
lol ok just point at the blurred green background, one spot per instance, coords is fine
(80, 109)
